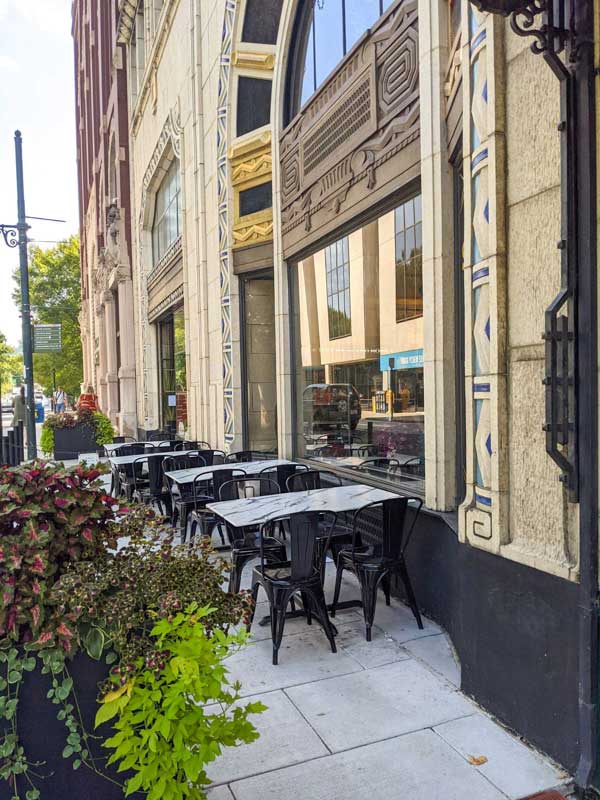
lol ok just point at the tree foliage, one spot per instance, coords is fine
(11, 364)
(55, 295)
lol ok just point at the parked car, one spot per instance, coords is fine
(328, 406)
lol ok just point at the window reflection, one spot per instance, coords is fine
(173, 378)
(166, 226)
(332, 30)
(359, 387)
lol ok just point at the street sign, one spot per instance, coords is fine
(47, 338)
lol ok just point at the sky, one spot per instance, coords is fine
(37, 98)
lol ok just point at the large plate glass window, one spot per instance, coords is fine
(359, 391)
(173, 379)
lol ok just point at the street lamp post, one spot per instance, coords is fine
(16, 235)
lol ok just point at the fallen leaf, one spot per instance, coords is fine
(477, 761)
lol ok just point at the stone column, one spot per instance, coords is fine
(127, 383)
(101, 371)
(110, 333)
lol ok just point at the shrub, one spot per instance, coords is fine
(99, 422)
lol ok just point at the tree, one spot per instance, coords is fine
(11, 365)
(55, 295)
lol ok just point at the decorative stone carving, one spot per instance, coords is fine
(262, 61)
(357, 140)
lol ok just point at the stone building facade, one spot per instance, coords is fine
(347, 252)
(105, 219)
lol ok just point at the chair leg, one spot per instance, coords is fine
(369, 581)
(338, 586)
(317, 595)
(307, 608)
(412, 600)
(255, 588)
(238, 562)
(386, 584)
(277, 626)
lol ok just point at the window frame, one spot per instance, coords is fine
(172, 176)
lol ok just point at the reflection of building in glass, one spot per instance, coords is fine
(361, 360)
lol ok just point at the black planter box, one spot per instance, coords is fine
(43, 737)
(70, 442)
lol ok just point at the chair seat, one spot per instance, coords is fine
(280, 573)
(251, 543)
(365, 557)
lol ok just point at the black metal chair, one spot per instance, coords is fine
(122, 439)
(181, 495)
(158, 436)
(301, 573)
(240, 457)
(367, 451)
(123, 476)
(380, 536)
(312, 479)
(246, 542)
(282, 473)
(152, 490)
(188, 445)
(211, 456)
(205, 490)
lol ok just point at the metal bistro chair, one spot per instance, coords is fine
(246, 543)
(181, 496)
(301, 573)
(315, 479)
(240, 457)
(123, 477)
(281, 474)
(211, 456)
(205, 490)
(153, 490)
(380, 536)
(159, 436)
(188, 445)
(367, 451)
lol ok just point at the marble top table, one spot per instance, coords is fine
(254, 511)
(181, 476)
(119, 461)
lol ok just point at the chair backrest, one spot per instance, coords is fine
(282, 473)
(239, 457)
(247, 486)
(135, 470)
(187, 445)
(384, 526)
(312, 479)
(183, 461)
(165, 447)
(309, 542)
(210, 486)
(157, 436)
(122, 439)
(156, 474)
(134, 449)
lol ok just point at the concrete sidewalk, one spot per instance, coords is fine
(375, 721)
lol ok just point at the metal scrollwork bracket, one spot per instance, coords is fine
(10, 234)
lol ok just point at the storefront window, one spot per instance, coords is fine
(167, 213)
(173, 380)
(360, 394)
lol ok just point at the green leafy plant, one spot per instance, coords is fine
(99, 422)
(176, 710)
(67, 588)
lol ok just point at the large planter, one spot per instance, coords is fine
(70, 442)
(43, 736)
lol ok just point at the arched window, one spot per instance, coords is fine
(166, 226)
(327, 30)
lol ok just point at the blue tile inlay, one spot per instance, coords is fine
(488, 444)
(479, 158)
(482, 387)
(485, 501)
(488, 328)
(486, 211)
(478, 40)
(481, 273)
(484, 93)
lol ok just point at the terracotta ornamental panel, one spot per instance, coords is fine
(356, 142)
(165, 283)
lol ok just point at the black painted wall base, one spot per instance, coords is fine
(515, 631)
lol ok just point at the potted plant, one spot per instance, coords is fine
(67, 435)
(112, 675)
